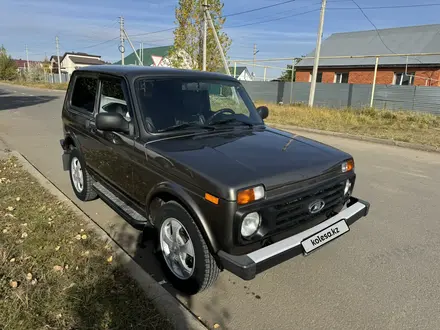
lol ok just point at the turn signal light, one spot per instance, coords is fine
(249, 195)
(347, 166)
(211, 198)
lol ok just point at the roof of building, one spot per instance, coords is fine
(403, 40)
(238, 70)
(148, 55)
(136, 70)
(78, 54)
(23, 63)
(86, 60)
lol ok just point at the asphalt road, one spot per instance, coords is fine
(384, 274)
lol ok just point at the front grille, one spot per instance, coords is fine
(294, 210)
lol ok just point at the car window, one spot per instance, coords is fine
(169, 102)
(84, 93)
(112, 98)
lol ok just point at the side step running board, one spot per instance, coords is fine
(124, 210)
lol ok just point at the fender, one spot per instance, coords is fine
(186, 200)
(69, 139)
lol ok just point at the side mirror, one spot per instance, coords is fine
(263, 111)
(112, 121)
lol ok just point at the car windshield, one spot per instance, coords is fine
(193, 104)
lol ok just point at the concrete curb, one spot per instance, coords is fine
(407, 145)
(166, 304)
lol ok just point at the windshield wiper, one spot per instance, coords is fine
(185, 126)
(231, 120)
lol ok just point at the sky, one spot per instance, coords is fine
(290, 30)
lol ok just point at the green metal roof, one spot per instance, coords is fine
(147, 58)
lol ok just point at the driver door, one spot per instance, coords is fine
(114, 150)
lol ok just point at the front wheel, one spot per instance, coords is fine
(190, 266)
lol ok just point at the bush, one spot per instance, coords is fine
(8, 68)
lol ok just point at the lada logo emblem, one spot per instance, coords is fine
(316, 206)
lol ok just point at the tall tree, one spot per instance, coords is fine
(188, 36)
(8, 68)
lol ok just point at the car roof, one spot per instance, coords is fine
(133, 71)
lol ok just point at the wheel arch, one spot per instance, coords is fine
(167, 191)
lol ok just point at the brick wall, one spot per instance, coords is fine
(365, 76)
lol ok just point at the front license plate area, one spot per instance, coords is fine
(324, 236)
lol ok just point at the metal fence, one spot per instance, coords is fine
(54, 78)
(416, 98)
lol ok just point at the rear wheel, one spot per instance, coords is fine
(189, 265)
(82, 182)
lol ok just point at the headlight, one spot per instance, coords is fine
(250, 224)
(249, 195)
(347, 187)
(347, 166)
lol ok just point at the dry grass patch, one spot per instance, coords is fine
(404, 126)
(56, 86)
(54, 272)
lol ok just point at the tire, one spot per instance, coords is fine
(204, 267)
(84, 191)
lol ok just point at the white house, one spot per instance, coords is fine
(71, 61)
(241, 73)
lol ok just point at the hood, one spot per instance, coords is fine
(223, 162)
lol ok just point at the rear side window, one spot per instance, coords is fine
(84, 93)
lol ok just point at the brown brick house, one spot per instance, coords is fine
(398, 70)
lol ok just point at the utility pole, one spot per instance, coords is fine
(58, 57)
(254, 57)
(219, 45)
(205, 32)
(132, 47)
(121, 37)
(27, 57)
(317, 53)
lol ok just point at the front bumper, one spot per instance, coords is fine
(249, 265)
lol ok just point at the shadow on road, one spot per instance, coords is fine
(12, 101)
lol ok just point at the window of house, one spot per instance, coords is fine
(112, 98)
(400, 78)
(84, 93)
(341, 78)
(318, 77)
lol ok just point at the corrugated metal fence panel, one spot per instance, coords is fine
(300, 93)
(424, 99)
(359, 96)
(263, 90)
(427, 99)
(331, 95)
(394, 97)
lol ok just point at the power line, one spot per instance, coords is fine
(259, 8)
(153, 32)
(374, 25)
(387, 7)
(101, 43)
(275, 19)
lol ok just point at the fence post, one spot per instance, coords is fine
(291, 80)
(373, 88)
(235, 69)
(264, 75)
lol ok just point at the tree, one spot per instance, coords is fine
(287, 75)
(187, 51)
(8, 68)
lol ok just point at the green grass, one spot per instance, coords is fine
(406, 126)
(54, 272)
(44, 85)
